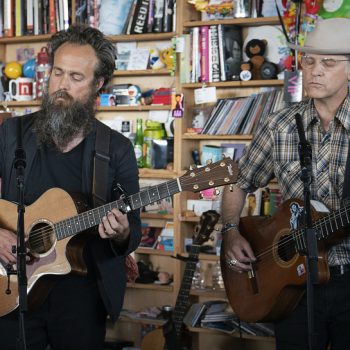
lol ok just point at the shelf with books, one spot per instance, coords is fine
(243, 22)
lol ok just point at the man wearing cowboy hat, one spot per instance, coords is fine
(273, 152)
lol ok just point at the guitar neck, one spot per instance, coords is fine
(93, 217)
(182, 301)
(325, 226)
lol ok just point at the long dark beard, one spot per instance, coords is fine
(62, 120)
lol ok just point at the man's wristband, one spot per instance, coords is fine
(229, 226)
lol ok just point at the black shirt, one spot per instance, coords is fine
(52, 168)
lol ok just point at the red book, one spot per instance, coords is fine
(52, 16)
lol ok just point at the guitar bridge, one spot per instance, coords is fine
(252, 279)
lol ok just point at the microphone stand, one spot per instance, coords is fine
(305, 154)
(19, 165)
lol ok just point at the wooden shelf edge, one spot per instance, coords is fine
(138, 108)
(236, 84)
(146, 72)
(157, 216)
(20, 103)
(141, 320)
(25, 39)
(152, 251)
(189, 136)
(157, 173)
(244, 22)
(141, 37)
(150, 286)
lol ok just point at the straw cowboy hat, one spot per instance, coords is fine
(329, 37)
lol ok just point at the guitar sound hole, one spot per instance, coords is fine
(41, 239)
(286, 248)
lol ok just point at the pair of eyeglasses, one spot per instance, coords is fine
(309, 62)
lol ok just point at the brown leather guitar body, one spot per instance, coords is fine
(276, 283)
(51, 222)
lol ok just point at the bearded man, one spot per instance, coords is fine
(60, 144)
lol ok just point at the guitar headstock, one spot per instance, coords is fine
(205, 227)
(223, 172)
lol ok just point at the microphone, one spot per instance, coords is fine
(20, 155)
(304, 148)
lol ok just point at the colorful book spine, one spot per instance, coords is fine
(215, 66)
(8, 18)
(204, 52)
(52, 17)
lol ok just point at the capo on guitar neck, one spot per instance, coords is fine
(185, 258)
(123, 195)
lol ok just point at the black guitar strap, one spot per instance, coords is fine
(101, 165)
(346, 185)
(100, 188)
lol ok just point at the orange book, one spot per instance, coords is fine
(52, 16)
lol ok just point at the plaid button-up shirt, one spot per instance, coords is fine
(274, 153)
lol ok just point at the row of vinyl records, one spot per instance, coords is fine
(243, 115)
(33, 17)
(211, 54)
(115, 17)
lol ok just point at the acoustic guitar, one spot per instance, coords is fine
(51, 222)
(155, 340)
(277, 280)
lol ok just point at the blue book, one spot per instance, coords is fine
(113, 15)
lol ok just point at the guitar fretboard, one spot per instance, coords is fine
(182, 301)
(325, 226)
(91, 218)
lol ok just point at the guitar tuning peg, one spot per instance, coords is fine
(231, 188)
(217, 191)
(209, 161)
(201, 195)
(223, 155)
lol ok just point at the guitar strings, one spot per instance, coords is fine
(318, 224)
(39, 235)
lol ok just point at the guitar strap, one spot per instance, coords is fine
(101, 165)
(346, 185)
(99, 184)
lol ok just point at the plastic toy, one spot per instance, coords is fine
(167, 57)
(28, 68)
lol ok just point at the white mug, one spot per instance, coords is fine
(21, 89)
